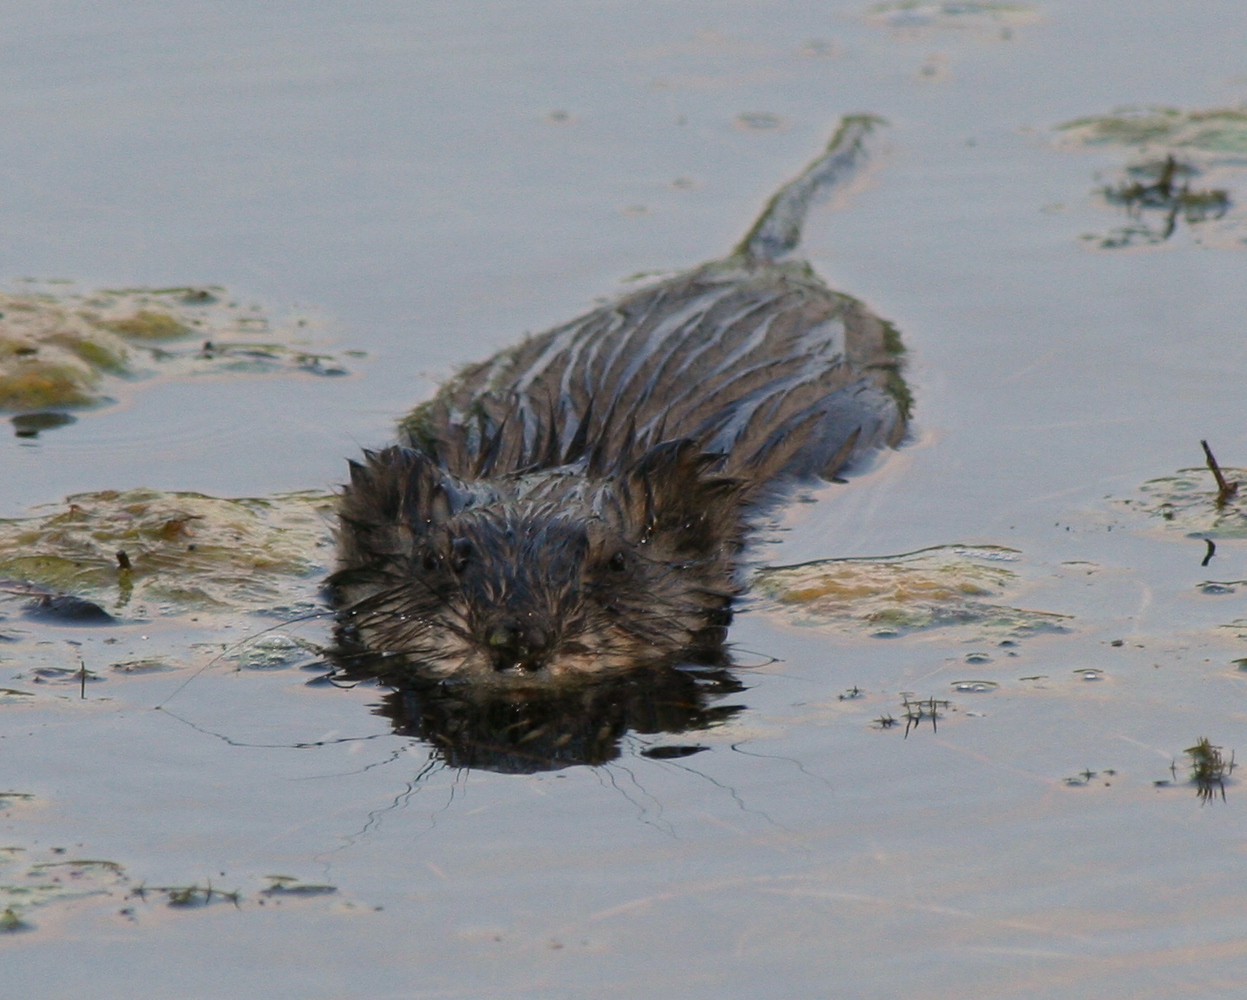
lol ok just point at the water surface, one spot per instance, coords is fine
(434, 181)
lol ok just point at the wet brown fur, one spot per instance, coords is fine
(577, 504)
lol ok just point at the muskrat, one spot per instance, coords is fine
(577, 503)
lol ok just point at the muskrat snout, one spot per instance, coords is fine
(515, 646)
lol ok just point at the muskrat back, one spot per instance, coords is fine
(576, 503)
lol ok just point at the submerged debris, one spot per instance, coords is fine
(59, 609)
(29, 425)
(71, 351)
(892, 595)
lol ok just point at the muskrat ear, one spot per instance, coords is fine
(395, 496)
(671, 496)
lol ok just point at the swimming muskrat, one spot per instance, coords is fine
(577, 503)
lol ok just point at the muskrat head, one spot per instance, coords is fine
(540, 575)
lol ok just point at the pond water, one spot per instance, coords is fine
(183, 814)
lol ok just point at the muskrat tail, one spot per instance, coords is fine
(778, 229)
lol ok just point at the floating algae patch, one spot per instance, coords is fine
(1217, 131)
(27, 885)
(143, 550)
(888, 596)
(1187, 504)
(978, 15)
(73, 351)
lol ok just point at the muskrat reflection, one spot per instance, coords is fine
(517, 729)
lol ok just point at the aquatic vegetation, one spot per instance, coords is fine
(1209, 768)
(914, 712)
(11, 923)
(1157, 191)
(182, 550)
(27, 886)
(1190, 502)
(892, 595)
(1084, 777)
(1217, 130)
(966, 14)
(73, 351)
(288, 885)
(1156, 195)
(147, 324)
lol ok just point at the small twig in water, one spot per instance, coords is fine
(1212, 551)
(1226, 491)
(926, 708)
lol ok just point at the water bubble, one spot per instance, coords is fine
(978, 658)
(1212, 587)
(975, 687)
(1090, 673)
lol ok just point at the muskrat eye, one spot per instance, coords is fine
(429, 562)
(460, 553)
(617, 563)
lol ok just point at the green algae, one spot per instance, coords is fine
(61, 350)
(37, 384)
(944, 586)
(1214, 131)
(146, 324)
(183, 551)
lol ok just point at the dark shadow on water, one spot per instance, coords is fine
(525, 729)
(1157, 194)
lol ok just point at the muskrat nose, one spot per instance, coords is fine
(512, 646)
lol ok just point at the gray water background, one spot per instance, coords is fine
(395, 166)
